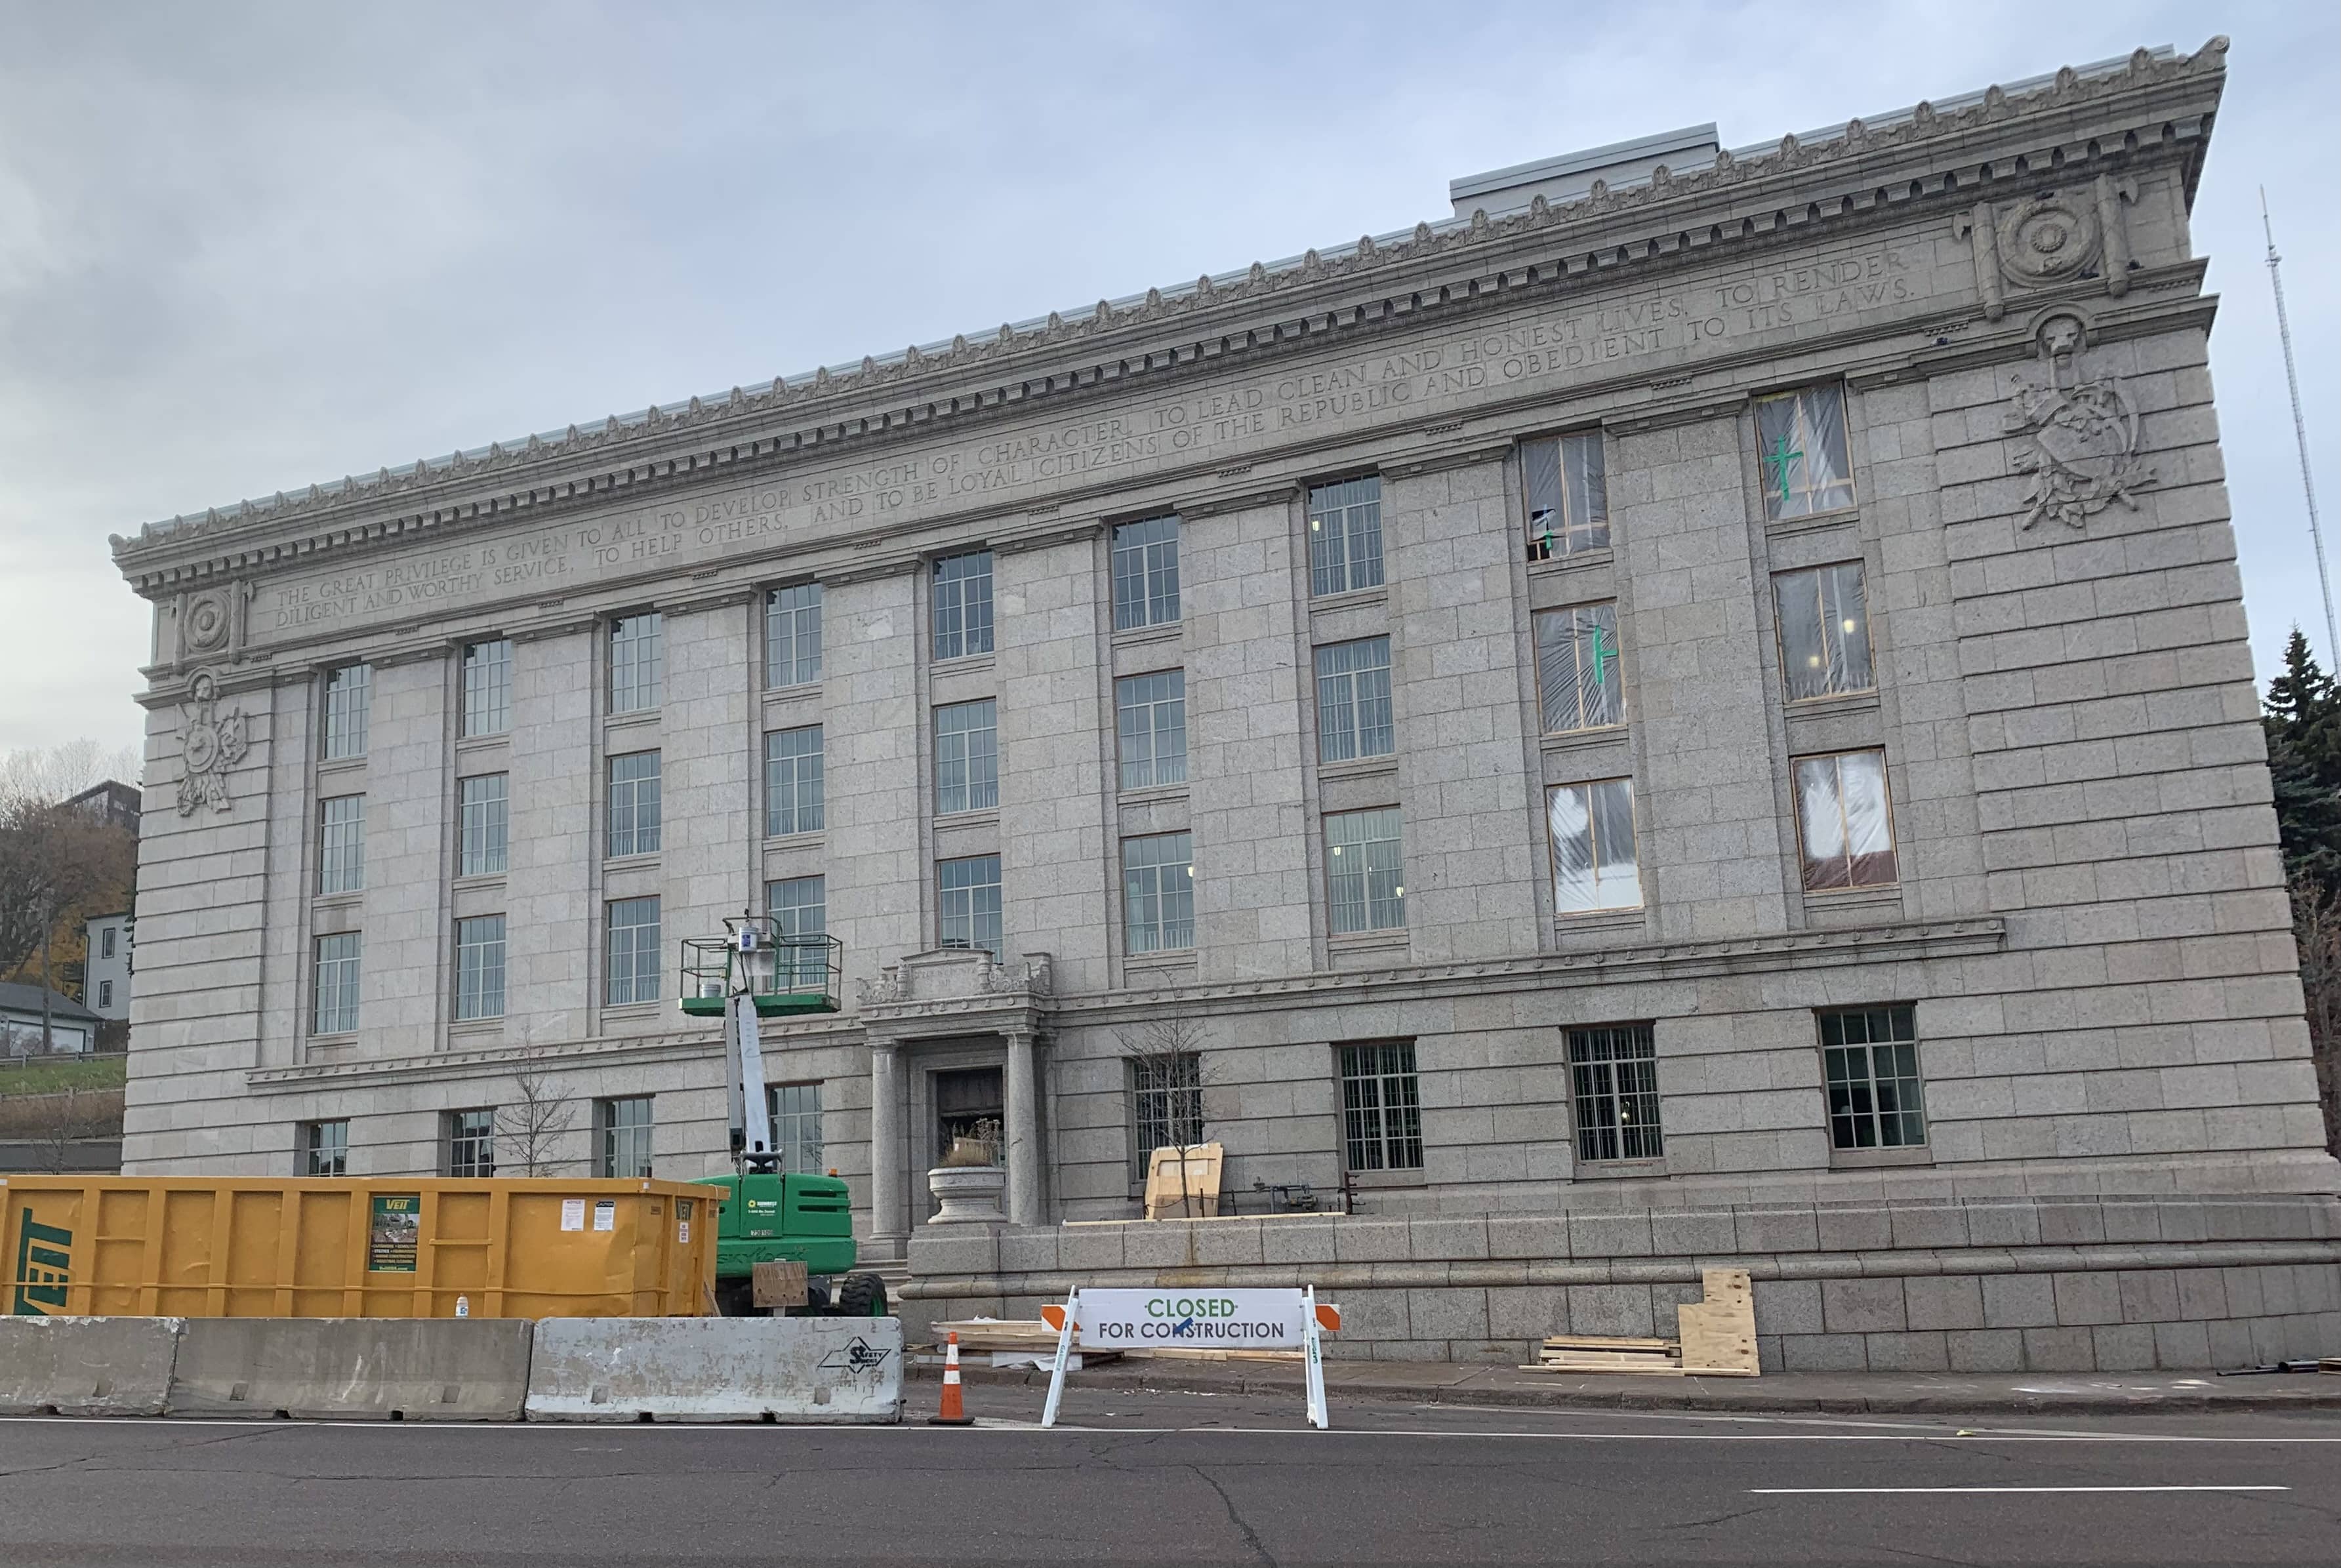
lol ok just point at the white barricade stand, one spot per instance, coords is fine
(1205, 1319)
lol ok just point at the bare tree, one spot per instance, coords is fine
(1166, 1058)
(530, 1129)
(56, 1145)
(48, 774)
(2317, 930)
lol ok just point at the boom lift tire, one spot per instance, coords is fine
(862, 1295)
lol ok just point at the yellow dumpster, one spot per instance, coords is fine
(237, 1247)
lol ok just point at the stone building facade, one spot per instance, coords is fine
(1703, 695)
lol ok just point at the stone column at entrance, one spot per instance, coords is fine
(889, 1233)
(1023, 1134)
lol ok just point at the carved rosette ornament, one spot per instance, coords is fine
(2047, 240)
(206, 623)
(2079, 436)
(210, 742)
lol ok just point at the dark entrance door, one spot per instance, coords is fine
(970, 1103)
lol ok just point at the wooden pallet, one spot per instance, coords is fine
(1716, 1338)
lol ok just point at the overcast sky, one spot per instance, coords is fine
(243, 247)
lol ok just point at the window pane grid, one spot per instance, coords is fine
(632, 951)
(484, 825)
(967, 757)
(1590, 827)
(1801, 452)
(1577, 668)
(637, 662)
(341, 844)
(338, 959)
(634, 804)
(471, 1142)
(963, 607)
(1345, 536)
(1567, 496)
(1363, 868)
(968, 902)
(1382, 1107)
(1824, 621)
(349, 693)
(1870, 1060)
(792, 781)
(1165, 1107)
(1146, 573)
(795, 1112)
(480, 967)
(487, 686)
(1151, 720)
(792, 635)
(625, 1130)
(1844, 821)
(1353, 700)
(325, 1149)
(1614, 1079)
(1157, 893)
(799, 906)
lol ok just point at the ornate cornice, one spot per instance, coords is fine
(1998, 141)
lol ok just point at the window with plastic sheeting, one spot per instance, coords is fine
(1165, 1107)
(799, 906)
(1591, 827)
(1800, 449)
(793, 801)
(963, 605)
(795, 1113)
(1844, 821)
(1353, 700)
(1577, 668)
(792, 635)
(1614, 1086)
(1157, 893)
(634, 806)
(338, 961)
(471, 1142)
(326, 1148)
(1364, 870)
(1870, 1062)
(1567, 495)
(1345, 536)
(1382, 1107)
(1146, 573)
(487, 686)
(480, 967)
(967, 757)
(637, 662)
(341, 844)
(483, 825)
(967, 899)
(1823, 620)
(1150, 720)
(632, 951)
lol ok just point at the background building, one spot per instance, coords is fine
(1710, 683)
(106, 967)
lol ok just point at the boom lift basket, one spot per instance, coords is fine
(787, 975)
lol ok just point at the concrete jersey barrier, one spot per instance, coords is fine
(835, 1370)
(86, 1366)
(416, 1369)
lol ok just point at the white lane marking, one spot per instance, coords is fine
(1990, 1491)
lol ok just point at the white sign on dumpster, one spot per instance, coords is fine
(1212, 1318)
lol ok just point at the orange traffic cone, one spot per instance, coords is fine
(953, 1413)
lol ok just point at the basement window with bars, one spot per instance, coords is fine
(1870, 1059)
(1165, 1107)
(1613, 1085)
(1382, 1107)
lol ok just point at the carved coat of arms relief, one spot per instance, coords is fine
(2077, 435)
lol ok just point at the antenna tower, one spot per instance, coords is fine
(2300, 432)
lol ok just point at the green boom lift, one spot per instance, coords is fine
(752, 972)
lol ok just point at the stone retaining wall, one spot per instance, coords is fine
(1999, 1284)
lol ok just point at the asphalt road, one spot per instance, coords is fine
(1186, 1479)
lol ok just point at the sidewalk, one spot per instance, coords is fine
(1877, 1393)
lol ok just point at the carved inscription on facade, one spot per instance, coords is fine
(1550, 349)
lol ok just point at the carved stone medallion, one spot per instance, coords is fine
(205, 624)
(2079, 435)
(2047, 238)
(211, 742)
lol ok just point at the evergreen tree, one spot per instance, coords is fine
(2304, 739)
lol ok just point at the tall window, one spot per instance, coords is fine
(341, 844)
(1614, 1081)
(1150, 716)
(480, 967)
(967, 757)
(326, 1148)
(799, 906)
(963, 611)
(637, 662)
(349, 692)
(484, 824)
(487, 686)
(795, 1112)
(1382, 1107)
(1844, 821)
(106, 943)
(1577, 668)
(471, 1142)
(1800, 452)
(1869, 1057)
(1146, 573)
(1345, 536)
(1567, 495)
(1157, 893)
(633, 804)
(1166, 1104)
(792, 635)
(1362, 867)
(968, 898)
(1824, 622)
(632, 951)
(622, 1136)
(1591, 827)
(337, 983)
(105, 993)
(792, 781)
(1353, 700)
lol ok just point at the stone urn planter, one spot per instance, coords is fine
(969, 1194)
